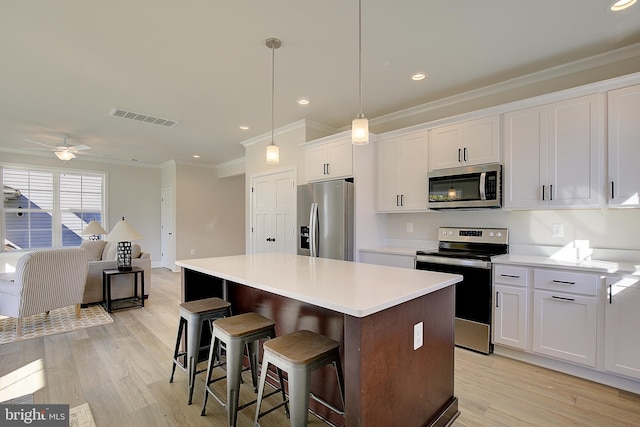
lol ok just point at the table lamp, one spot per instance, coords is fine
(123, 233)
(94, 229)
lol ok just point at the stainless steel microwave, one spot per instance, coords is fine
(472, 187)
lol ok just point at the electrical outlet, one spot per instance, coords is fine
(418, 334)
(557, 230)
(409, 227)
(193, 251)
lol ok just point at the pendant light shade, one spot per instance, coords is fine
(65, 155)
(273, 151)
(360, 125)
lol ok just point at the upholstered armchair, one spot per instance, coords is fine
(43, 281)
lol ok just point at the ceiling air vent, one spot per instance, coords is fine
(117, 112)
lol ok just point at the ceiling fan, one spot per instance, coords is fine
(63, 152)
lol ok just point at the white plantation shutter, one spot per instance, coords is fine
(44, 208)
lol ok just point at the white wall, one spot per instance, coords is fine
(604, 228)
(209, 214)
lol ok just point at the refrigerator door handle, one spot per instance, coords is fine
(313, 230)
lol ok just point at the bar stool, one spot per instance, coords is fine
(235, 333)
(193, 314)
(299, 354)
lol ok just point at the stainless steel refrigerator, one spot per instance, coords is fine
(325, 220)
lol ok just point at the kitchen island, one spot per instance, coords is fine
(371, 310)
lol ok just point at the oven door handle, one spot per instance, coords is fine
(432, 259)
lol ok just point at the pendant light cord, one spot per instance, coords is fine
(360, 53)
(273, 83)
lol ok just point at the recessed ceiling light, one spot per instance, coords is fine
(622, 4)
(303, 101)
(244, 127)
(386, 63)
(418, 76)
(195, 156)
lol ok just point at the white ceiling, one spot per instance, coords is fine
(66, 64)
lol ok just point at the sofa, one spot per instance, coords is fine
(102, 256)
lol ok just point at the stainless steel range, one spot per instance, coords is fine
(468, 251)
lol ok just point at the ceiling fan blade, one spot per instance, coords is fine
(79, 147)
(40, 143)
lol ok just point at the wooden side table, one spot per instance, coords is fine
(123, 303)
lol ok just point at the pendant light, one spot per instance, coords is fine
(273, 151)
(360, 125)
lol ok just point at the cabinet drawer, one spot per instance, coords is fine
(508, 275)
(565, 281)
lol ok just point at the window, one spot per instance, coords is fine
(45, 208)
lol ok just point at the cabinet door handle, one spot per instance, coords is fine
(610, 294)
(563, 282)
(543, 192)
(497, 299)
(459, 155)
(613, 193)
(397, 200)
(510, 275)
(563, 298)
(551, 192)
(402, 200)
(464, 154)
(328, 173)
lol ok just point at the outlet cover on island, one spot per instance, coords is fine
(193, 251)
(557, 230)
(409, 227)
(418, 335)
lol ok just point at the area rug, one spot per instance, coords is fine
(56, 322)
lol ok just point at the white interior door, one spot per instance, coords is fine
(167, 239)
(273, 213)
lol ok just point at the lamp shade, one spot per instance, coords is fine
(360, 130)
(93, 228)
(123, 232)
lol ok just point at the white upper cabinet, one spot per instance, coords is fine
(553, 155)
(468, 143)
(402, 173)
(332, 160)
(624, 146)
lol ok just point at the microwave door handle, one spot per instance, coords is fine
(483, 177)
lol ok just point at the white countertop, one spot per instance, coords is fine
(588, 265)
(355, 289)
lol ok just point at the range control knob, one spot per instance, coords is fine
(499, 234)
(491, 234)
(450, 233)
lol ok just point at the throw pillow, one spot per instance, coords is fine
(94, 247)
(110, 251)
(135, 251)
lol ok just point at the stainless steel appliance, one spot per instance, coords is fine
(468, 251)
(325, 220)
(471, 187)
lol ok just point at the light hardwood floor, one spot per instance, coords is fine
(122, 371)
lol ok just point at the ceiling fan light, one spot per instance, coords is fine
(65, 155)
(360, 130)
(622, 5)
(273, 153)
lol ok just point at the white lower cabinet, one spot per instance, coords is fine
(510, 322)
(511, 314)
(565, 326)
(622, 320)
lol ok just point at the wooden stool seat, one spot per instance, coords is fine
(192, 315)
(301, 347)
(243, 324)
(299, 354)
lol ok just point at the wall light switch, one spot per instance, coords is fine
(557, 230)
(418, 333)
(193, 251)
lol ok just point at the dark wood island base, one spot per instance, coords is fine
(387, 382)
